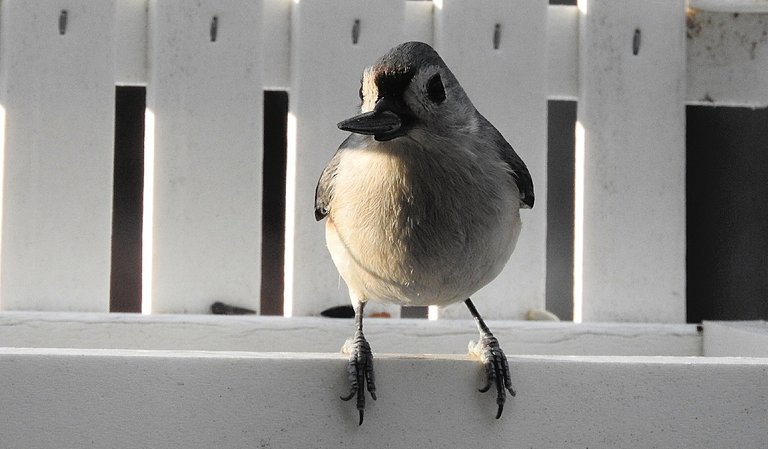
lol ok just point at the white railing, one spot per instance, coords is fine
(196, 382)
(172, 380)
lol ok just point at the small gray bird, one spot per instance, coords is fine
(422, 203)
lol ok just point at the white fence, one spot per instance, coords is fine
(170, 381)
(205, 65)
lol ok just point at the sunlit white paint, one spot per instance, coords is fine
(148, 212)
(2, 172)
(290, 217)
(578, 224)
(582, 5)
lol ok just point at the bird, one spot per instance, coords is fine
(421, 203)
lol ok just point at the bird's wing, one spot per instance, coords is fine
(325, 185)
(517, 169)
(324, 189)
(520, 174)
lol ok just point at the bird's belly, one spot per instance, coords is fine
(389, 275)
(398, 240)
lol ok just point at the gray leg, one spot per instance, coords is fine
(360, 365)
(494, 360)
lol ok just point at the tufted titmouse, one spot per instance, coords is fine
(422, 202)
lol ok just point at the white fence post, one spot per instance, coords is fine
(204, 154)
(57, 92)
(508, 85)
(325, 75)
(630, 162)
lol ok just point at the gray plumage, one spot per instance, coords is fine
(422, 199)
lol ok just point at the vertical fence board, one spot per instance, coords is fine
(276, 45)
(325, 75)
(131, 42)
(631, 124)
(205, 133)
(562, 52)
(418, 25)
(727, 58)
(508, 86)
(57, 94)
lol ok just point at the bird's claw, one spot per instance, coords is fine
(496, 369)
(360, 372)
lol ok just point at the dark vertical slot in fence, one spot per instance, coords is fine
(421, 312)
(560, 207)
(273, 209)
(560, 202)
(727, 213)
(125, 279)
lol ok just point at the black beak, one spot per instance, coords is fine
(381, 123)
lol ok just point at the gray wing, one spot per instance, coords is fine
(517, 168)
(324, 189)
(520, 174)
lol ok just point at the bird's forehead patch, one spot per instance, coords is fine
(391, 80)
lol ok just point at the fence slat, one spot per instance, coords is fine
(727, 58)
(562, 52)
(204, 131)
(325, 75)
(630, 163)
(509, 86)
(276, 43)
(57, 99)
(418, 24)
(131, 42)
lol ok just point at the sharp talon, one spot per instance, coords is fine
(359, 372)
(496, 370)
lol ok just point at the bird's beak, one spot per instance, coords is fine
(382, 123)
(372, 123)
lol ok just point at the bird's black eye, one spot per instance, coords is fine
(435, 89)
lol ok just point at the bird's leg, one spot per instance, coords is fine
(360, 365)
(489, 352)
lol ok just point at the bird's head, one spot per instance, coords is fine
(409, 88)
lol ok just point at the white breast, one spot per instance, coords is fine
(411, 227)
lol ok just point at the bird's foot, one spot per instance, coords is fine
(360, 371)
(488, 351)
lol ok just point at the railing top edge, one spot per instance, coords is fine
(382, 357)
(732, 6)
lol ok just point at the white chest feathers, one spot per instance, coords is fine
(415, 228)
